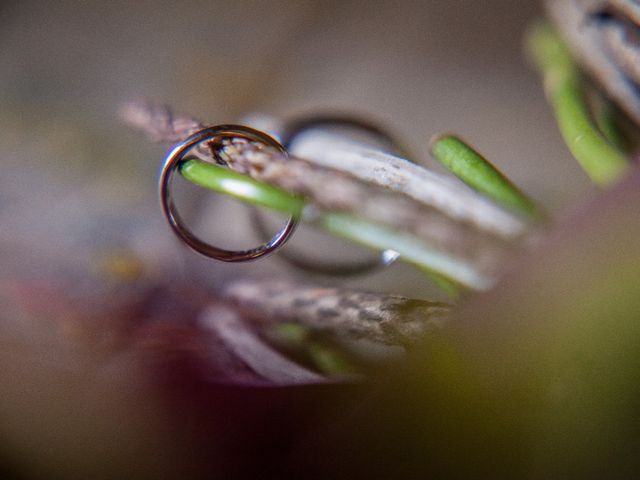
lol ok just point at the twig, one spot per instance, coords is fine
(158, 121)
(453, 222)
(322, 157)
(397, 174)
(388, 319)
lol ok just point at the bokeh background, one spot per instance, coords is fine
(75, 179)
(77, 186)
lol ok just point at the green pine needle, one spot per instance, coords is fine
(603, 162)
(240, 186)
(477, 172)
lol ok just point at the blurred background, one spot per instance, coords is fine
(78, 187)
(76, 181)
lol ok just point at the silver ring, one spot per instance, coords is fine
(289, 132)
(173, 161)
(295, 127)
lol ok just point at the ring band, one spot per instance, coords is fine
(172, 163)
(290, 131)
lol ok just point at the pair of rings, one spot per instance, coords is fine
(287, 137)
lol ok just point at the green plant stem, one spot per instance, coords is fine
(600, 160)
(240, 186)
(477, 172)
(452, 270)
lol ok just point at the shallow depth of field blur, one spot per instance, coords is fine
(78, 198)
(76, 182)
